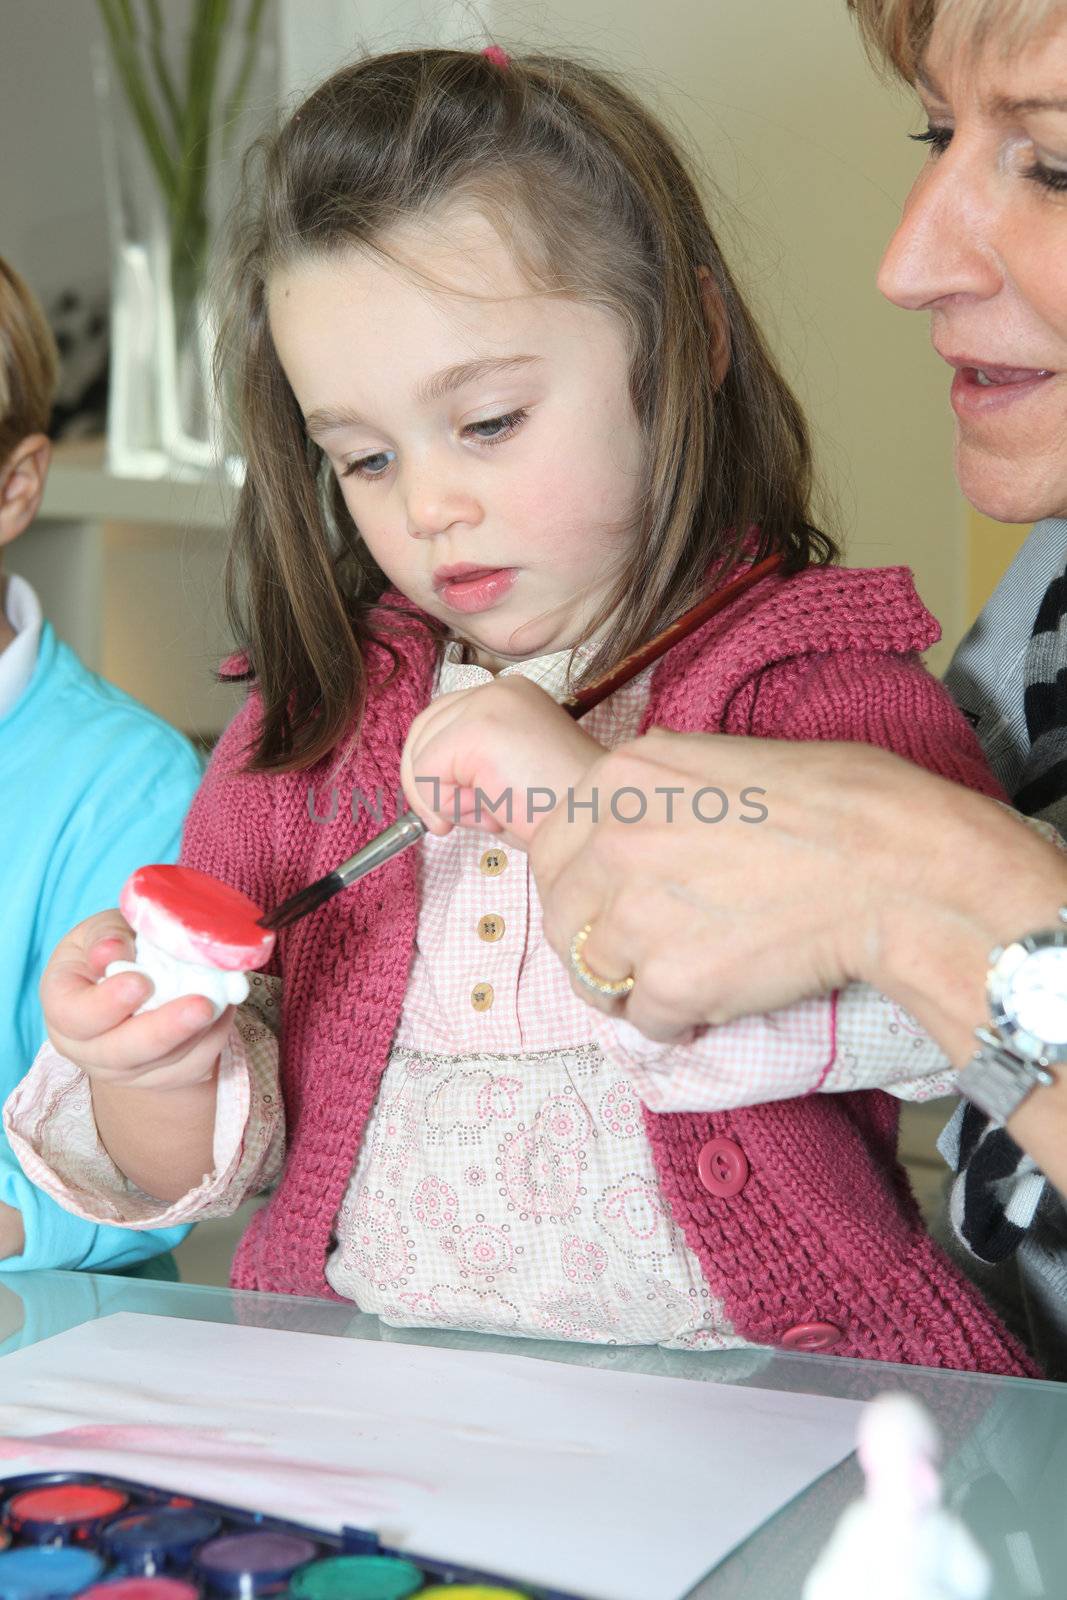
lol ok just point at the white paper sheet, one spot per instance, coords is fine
(604, 1484)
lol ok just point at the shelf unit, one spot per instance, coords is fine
(130, 573)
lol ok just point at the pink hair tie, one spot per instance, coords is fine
(497, 55)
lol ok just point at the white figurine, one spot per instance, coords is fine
(898, 1542)
(195, 935)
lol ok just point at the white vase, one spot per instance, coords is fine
(163, 414)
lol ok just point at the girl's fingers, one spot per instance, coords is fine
(114, 948)
(91, 1019)
(105, 925)
(92, 944)
(428, 799)
(139, 1043)
(432, 748)
(78, 1007)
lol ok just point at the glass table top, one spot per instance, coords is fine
(1005, 1468)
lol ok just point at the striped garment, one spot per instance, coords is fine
(1009, 677)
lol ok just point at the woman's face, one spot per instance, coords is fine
(982, 246)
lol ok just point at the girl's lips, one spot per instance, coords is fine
(979, 391)
(477, 591)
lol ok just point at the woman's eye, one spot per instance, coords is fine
(498, 428)
(938, 139)
(369, 466)
(1054, 178)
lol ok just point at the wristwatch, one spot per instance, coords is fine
(1027, 992)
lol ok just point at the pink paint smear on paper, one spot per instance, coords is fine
(210, 1452)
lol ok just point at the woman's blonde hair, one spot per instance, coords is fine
(592, 195)
(29, 363)
(897, 32)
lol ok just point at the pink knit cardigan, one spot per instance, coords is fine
(825, 1231)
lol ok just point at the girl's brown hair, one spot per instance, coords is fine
(28, 363)
(897, 32)
(591, 194)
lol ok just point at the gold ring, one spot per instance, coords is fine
(613, 988)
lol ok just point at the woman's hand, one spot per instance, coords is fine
(498, 757)
(829, 863)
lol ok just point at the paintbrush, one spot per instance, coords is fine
(408, 829)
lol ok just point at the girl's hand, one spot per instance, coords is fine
(92, 1022)
(499, 757)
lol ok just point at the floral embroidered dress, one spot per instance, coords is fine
(504, 1181)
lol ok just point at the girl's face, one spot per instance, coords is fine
(483, 434)
(983, 248)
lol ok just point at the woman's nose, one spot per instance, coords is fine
(946, 242)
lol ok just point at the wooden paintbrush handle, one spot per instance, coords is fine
(585, 699)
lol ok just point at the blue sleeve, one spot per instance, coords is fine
(56, 1238)
(131, 814)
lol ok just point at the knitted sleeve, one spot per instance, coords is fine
(867, 697)
(229, 831)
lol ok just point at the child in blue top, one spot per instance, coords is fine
(91, 785)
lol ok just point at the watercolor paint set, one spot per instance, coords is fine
(67, 1534)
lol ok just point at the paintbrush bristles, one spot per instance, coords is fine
(398, 836)
(304, 903)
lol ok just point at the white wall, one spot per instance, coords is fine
(808, 149)
(52, 221)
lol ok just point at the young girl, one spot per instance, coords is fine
(506, 415)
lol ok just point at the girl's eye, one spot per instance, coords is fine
(494, 430)
(499, 427)
(369, 466)
(938, 139)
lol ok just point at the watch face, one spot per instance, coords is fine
(1028, 994)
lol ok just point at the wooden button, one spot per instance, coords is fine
(490, 928)
(493, 863)
(482, 996)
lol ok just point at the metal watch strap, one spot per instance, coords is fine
(997, 1081)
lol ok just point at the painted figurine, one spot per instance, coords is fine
(195, 935)
(899, 1542)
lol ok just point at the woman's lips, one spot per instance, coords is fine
(475, 589)
(980, 391)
